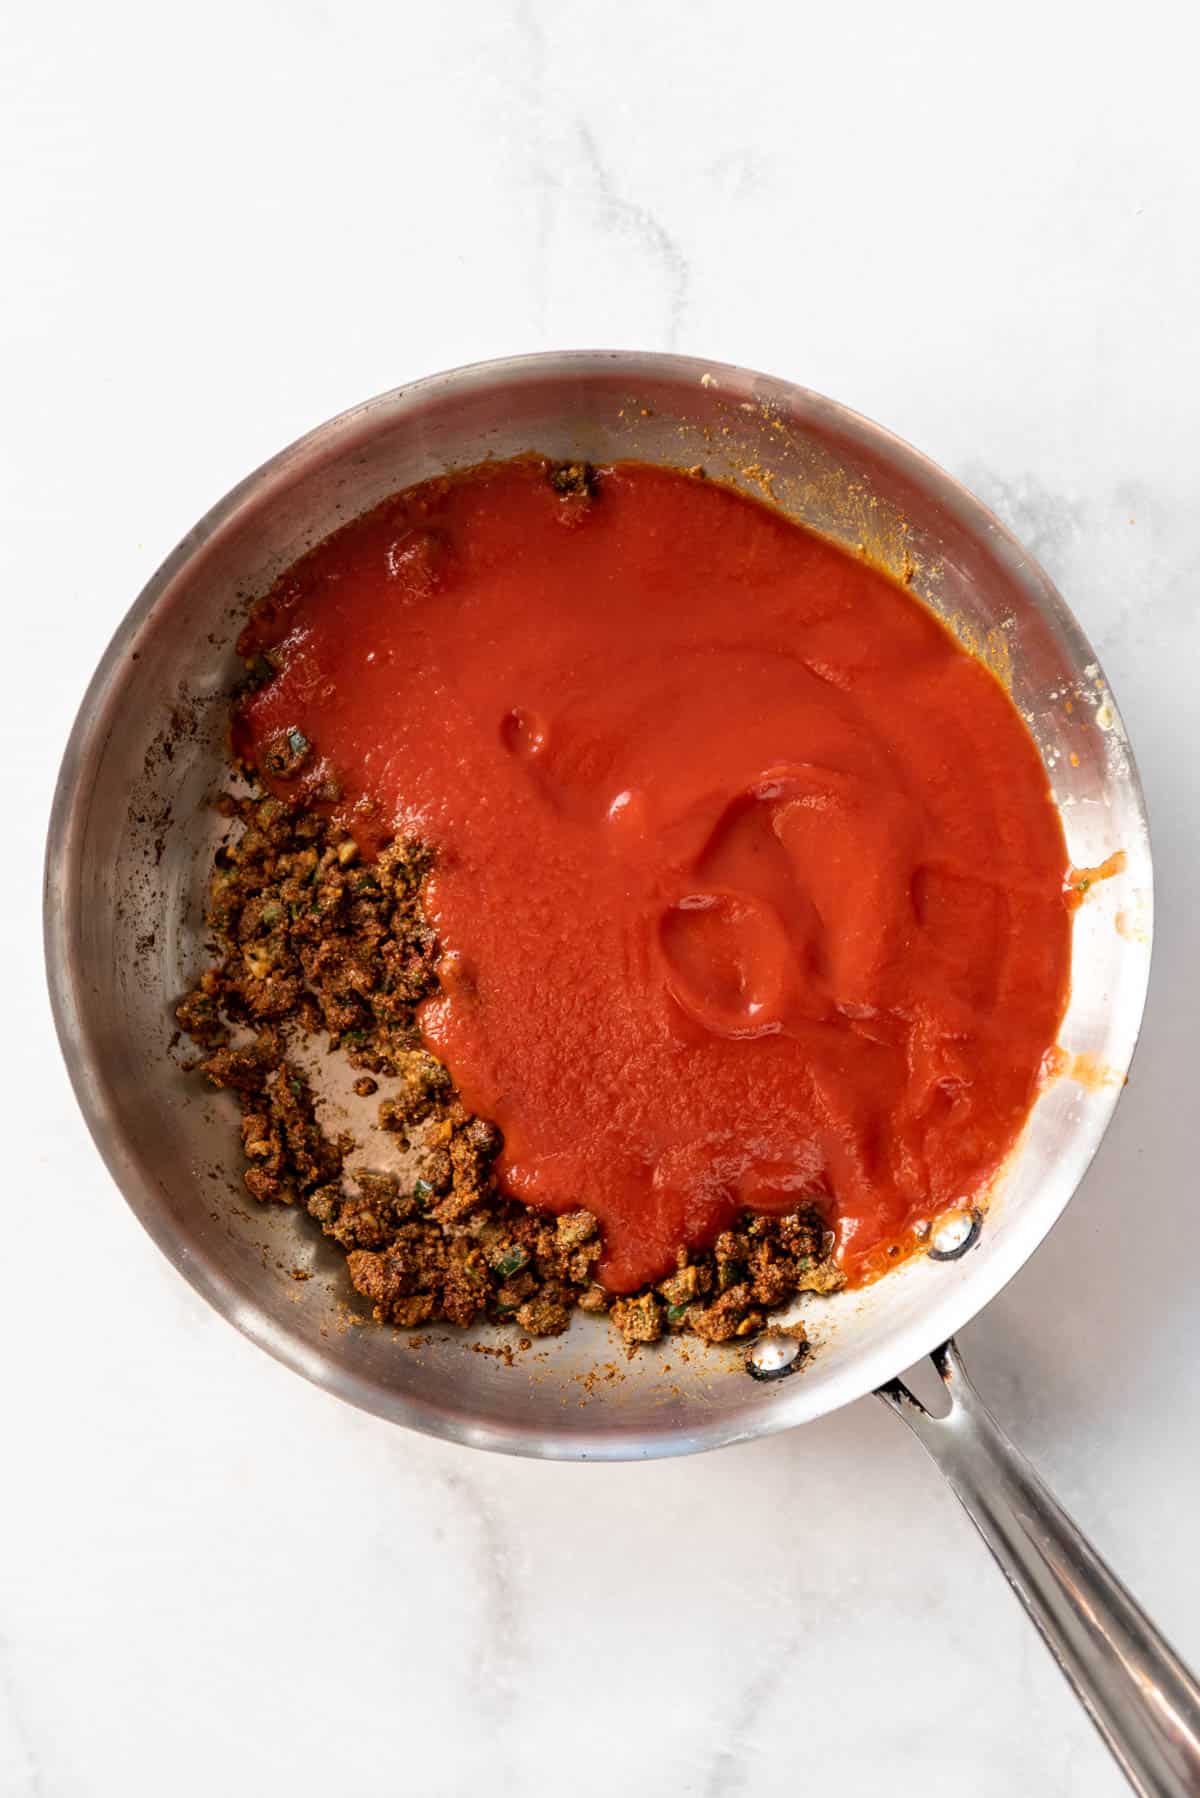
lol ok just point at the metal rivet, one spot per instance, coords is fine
(773, 1357)
(954, 1233)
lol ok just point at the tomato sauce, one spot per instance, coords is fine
(749, 884)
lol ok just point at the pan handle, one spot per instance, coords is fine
(1138, 1693)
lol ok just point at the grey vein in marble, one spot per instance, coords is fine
(491, 1681)
(638, 223)
(729, 1773)
(20, 1773)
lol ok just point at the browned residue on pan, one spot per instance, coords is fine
(1080, 881)
(1084, 1068)
(1130, 928)
(989, 646)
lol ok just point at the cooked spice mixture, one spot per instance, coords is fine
(690, 902)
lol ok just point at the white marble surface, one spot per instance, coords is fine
(221, 225)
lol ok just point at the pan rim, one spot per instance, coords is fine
(938, 1320)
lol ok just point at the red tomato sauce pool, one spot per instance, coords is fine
(749, 884)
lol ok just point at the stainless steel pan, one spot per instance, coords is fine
(130, 841)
